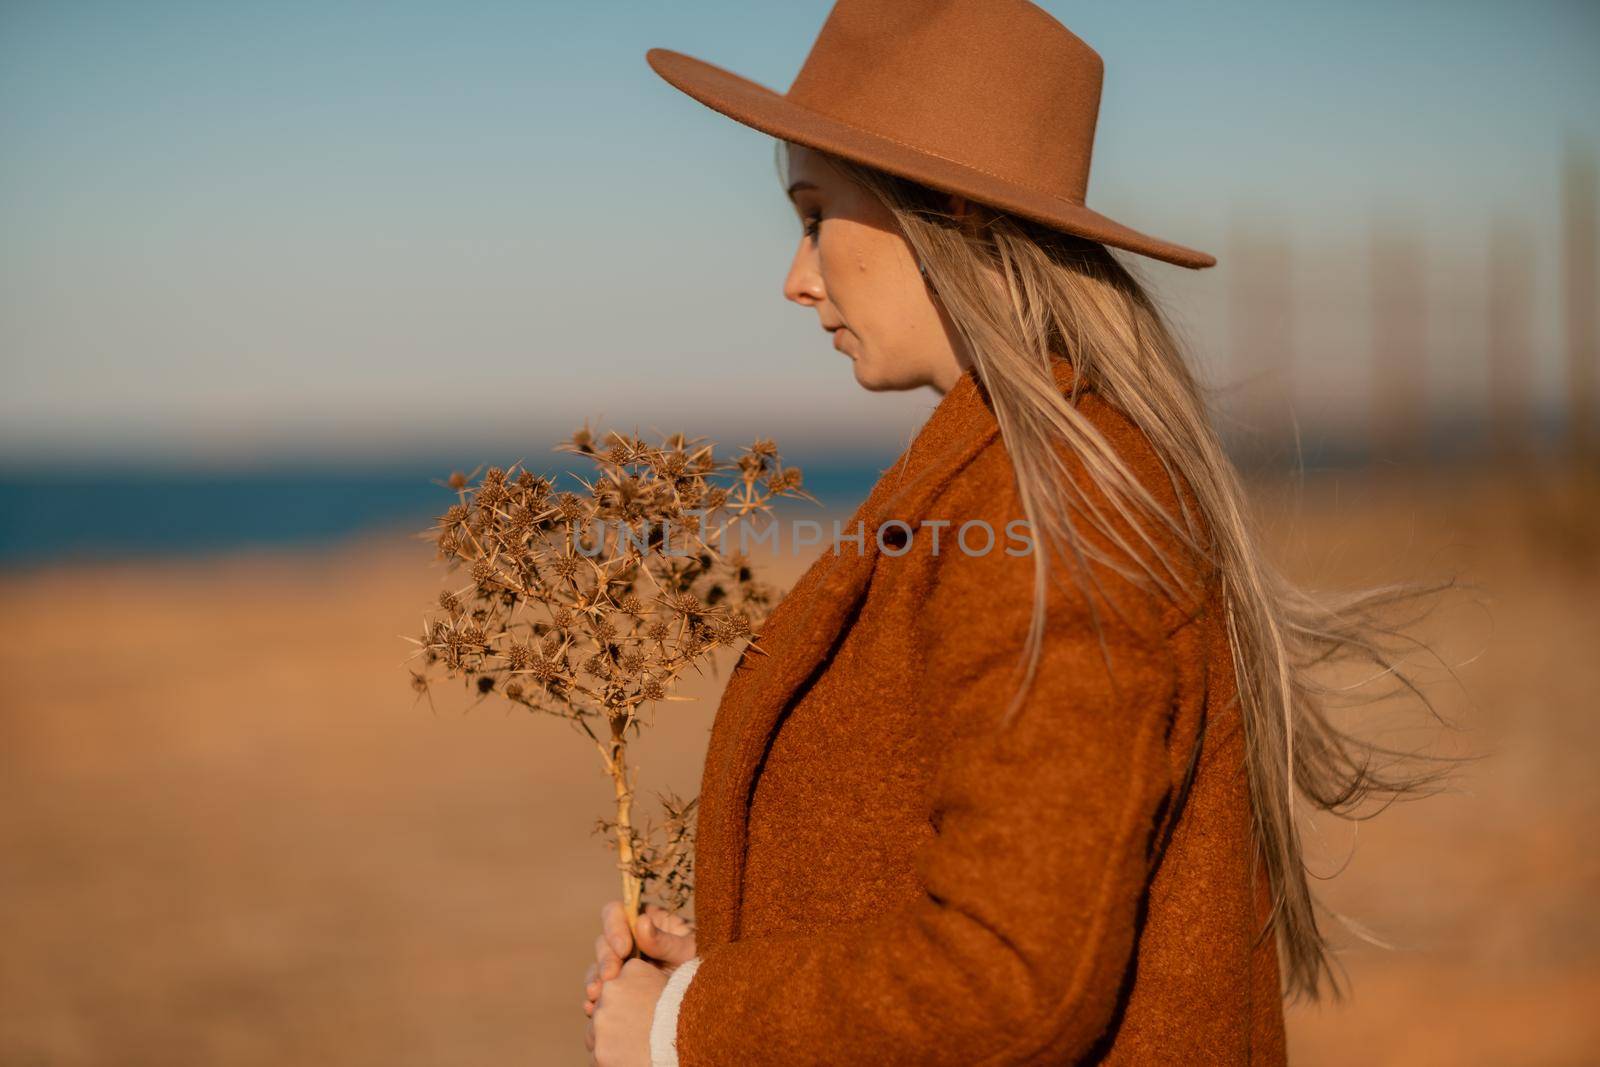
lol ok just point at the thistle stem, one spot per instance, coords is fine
(617, 765)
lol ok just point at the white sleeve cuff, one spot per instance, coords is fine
(664, 1024)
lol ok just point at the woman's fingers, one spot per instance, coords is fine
(670, 921)
(608, 964)
(614, 927)
(591, 988)
(652, 939)
(669, 948)
(662, 935)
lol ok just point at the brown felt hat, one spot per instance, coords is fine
(991, 99)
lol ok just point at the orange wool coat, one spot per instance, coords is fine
(883, 877)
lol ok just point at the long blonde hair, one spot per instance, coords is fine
(1068, 295)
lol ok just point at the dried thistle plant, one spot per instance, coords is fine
(591, 605)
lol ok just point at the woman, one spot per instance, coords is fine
(979, 804)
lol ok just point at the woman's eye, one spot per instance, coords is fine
(812, 224)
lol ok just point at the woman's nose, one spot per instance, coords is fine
(803, 284)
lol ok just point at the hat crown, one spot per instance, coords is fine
(995, 85)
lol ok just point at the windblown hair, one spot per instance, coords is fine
(1065, 296)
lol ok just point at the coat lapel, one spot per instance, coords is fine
(799, 636)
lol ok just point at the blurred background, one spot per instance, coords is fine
(269, 271)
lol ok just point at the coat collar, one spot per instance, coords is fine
(801, 632)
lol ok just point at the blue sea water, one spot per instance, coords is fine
(128, 510)
(106, 513)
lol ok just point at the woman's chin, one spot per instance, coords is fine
(868, 382)
(870, 376)
(874, 380)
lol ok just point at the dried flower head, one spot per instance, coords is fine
(579, 607)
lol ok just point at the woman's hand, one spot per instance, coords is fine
(666, 938)
(620, 994)
(619, 1030)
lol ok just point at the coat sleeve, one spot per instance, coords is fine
(1015, 950)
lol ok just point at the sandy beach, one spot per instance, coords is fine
(233, 837)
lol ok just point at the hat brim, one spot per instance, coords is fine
(761, 108)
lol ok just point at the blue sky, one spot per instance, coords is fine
(239, 230)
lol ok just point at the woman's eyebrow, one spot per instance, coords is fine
(801, 186)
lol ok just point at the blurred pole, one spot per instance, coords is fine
(1578, 243)
(1511, 368)
(1261, 316)
(1399, 342)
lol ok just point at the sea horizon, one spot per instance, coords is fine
(130, 507)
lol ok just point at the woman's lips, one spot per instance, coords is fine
(838, 339)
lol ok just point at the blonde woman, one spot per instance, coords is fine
(1017, 779)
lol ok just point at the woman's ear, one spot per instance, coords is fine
(969, 216)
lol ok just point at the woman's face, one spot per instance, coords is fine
(860, 275)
